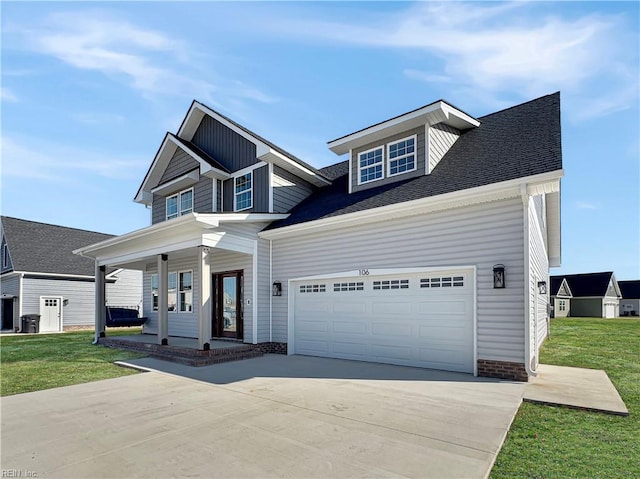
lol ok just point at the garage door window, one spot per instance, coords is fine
(444, 282)
(313, 288)
(391, 284)
(356, 286)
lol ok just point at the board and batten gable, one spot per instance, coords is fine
(288, 190)
(441, 137)
(478, 235)
(419, 132)
(224, 145)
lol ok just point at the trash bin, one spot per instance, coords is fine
(30, 323)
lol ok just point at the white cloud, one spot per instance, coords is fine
(34, 159)
(7, 95)
(507, 48)
(151, 62)
(583, 205)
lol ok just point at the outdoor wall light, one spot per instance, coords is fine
(542, 287)
(276, 289)
(498, 276)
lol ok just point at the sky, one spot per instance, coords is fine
(88, 90)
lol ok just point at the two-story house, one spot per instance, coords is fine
(429, 245)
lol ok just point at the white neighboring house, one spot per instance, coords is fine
(41, 275)
(429, 245)
(630, 301)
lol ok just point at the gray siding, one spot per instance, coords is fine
(224, 145)
(10, 285)
(630, 305)
(441, 138)
(264, 292)
(80, 310)
(480, 235)
(260, 187)
(420, 160)
(288, 190)
(179, 165)
(202, 200)
(586, 307)
(126, 291)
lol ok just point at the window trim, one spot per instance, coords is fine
(382, 162)
(178, 197)
(414, 153)
(155, 292)
(250, 190)
(181, 291)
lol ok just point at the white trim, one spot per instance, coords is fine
(214, 195)
(53, 275)
(248, 169)
(350, 173)
(6, 254)
(178, 291)
(427, 145)
(178, 196)
(270, 292)
(60, 308)
(382, 163)
(254, 292)
(376, 272)
(270, 187)
(415, 156)
(20, 296)
(178, 183)
(480, 194)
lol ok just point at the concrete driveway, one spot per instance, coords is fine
(275, 416)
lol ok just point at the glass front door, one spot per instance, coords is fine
(227, 321)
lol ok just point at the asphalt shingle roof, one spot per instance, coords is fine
(44, 248)
(517, 142)
(587, 284)
(630, 289)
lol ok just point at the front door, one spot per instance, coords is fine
(50, 314)
(227, 318)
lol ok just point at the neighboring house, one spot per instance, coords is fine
(41, 275)
(429, 246)
(630, 302)
(593, 295)
(560, 297)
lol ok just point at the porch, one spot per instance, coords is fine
(184, 350)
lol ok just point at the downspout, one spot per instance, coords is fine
(96, 334)
(527, 283)
(20, 289)
(271, 294)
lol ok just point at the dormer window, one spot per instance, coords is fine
(370, 165)
(244, 192)
(401, 156)
(180, 204)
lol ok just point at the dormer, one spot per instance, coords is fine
(403, 147)
(213, 164)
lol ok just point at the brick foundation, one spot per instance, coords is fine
(272, 348)
(502, 370)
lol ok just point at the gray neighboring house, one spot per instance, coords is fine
(593, 295)
(560, 297)
(41, 275)
(429, 245)
(630, 302)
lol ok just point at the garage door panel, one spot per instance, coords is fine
(392, 319)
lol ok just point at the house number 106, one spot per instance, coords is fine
(364, 272)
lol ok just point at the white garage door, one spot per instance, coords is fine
(417, 319)
(609, 310)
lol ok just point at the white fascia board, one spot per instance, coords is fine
(144, 196)
(554, 228)
(8, 274)
(273, 156)
(250, 217)
(480, 194)
(383, 272)
(439, 110)
(55, 275)
(178, 183)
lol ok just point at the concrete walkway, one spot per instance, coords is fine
(275, 416)
(580, 388)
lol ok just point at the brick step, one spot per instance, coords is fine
(206, 361)
(177, 350)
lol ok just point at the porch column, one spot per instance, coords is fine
(100, 316)
(163, 302)
(204, 303)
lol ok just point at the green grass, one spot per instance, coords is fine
(44, 361)
(555, 442)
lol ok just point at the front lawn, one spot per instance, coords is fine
(556, 442)
(44, 361)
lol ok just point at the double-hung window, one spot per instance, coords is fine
(154, 292)
(186, 291)
(370, 165)
(401, 156)
(179, 292)
(180, 204)
(243, 192)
